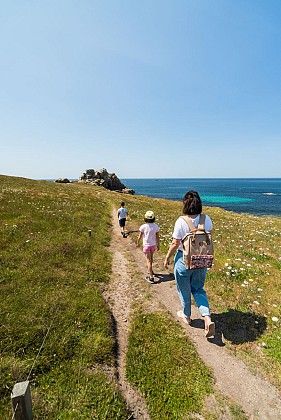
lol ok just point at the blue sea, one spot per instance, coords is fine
(258, 196)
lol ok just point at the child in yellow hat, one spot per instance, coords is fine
(149, 232)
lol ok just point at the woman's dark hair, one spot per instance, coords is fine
(150, 220)
(122, 204)
(192, 203)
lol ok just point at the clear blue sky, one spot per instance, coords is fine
(150, 88)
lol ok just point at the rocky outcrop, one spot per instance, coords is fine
(103, 179)
(63, 180)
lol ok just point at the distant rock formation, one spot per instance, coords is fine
(103, 179)
(62, 180)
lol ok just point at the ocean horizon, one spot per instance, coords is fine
(257, 196)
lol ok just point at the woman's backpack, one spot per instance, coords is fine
(198, 250)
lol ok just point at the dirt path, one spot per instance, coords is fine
(258, 398)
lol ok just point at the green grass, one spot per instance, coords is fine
(164, 366)
(49, 283)
(51, 276)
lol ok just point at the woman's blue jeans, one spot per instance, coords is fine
(190, 281)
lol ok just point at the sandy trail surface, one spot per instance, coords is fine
(258, 398)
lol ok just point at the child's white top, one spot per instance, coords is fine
(122, 213)
(149, 233)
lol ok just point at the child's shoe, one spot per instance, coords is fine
(149, 279)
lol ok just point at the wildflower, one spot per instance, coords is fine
(259, 289)
(256, 302)
(274, 319)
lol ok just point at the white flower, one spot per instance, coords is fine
(256, 302)
(259, 289)
(274, 319)
(226, 264)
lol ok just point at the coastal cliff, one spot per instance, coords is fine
(104, 179)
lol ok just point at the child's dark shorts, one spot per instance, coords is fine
(122, 222)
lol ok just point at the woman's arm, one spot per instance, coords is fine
(172, 249)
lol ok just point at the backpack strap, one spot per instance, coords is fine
(189, 223)
(201, 224)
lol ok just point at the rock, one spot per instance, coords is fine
(128, 191)
(104, 179)
(62, 180)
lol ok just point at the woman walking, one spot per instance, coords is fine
(190, 281)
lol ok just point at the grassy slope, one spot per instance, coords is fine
(50, 269)
(50, 275)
